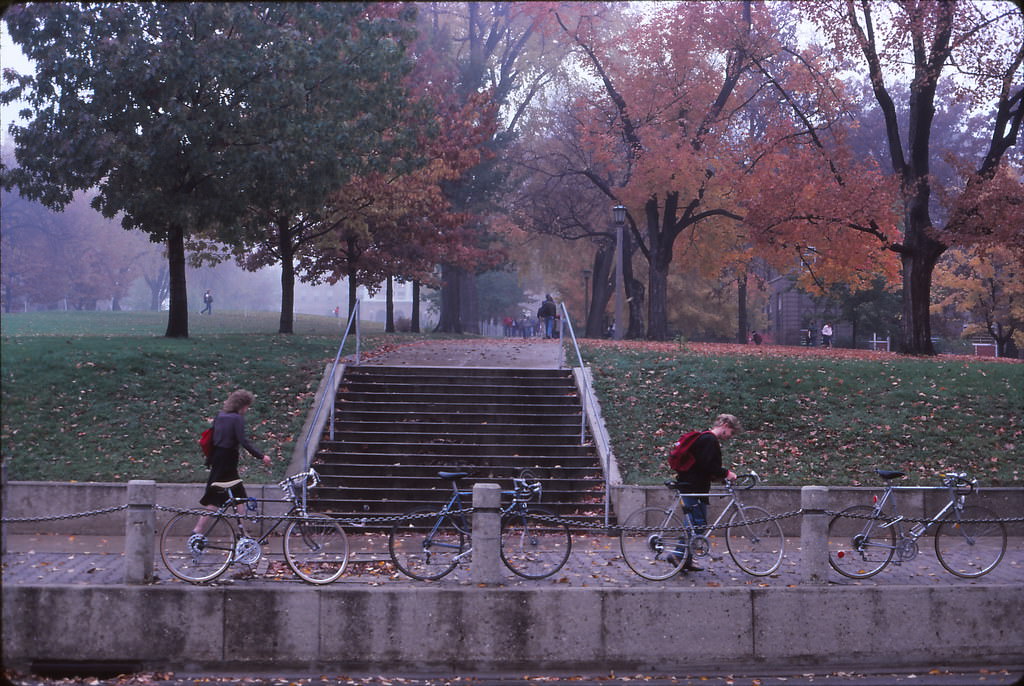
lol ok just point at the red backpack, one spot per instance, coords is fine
(206, 443)
(680, 456)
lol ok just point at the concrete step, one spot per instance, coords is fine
(345, 413)
(453, 449)
(413, 435)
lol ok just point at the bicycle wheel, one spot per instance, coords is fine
(531, 547)
(655, 542)
(316, 548)
(197, 558)
(967, 548)
(426, 547)
(858, 547)
(755, 548)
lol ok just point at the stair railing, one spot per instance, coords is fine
(330, 391)
(566, 321)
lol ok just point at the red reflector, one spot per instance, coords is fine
(841, 554)
(874, 498)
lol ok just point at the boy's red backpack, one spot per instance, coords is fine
(680, 456)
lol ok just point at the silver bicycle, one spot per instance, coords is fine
(969, 541)
(656, 542)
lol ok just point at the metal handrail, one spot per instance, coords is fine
(353, 318)
(585, 387)
(566, 321)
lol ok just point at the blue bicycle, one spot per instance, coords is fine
(428, 544)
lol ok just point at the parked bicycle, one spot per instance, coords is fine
(428, 544)
(657, 542)
(969, 541)
(315, 546)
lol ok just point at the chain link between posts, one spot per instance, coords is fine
(360, 522)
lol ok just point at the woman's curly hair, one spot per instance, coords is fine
(237, 400)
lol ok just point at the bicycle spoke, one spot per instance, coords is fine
(858, 547)
(197, 558)
(969, 548)
(531, 547)
(654, 542)
(755, 548)
(425, 547)
(316, 549)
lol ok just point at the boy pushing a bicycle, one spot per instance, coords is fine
(707, 467)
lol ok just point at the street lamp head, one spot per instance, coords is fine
(619, 214)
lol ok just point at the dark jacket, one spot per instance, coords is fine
(707, 466)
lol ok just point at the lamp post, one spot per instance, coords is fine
(619, 215)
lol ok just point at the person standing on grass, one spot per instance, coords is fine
(207, 303)
(707, 467)
(826, 335)
(228, 436)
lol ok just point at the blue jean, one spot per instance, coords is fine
(549, 327)
(698, 513)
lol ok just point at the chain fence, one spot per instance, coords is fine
(615, 529)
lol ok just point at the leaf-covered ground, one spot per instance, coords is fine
(812, 415)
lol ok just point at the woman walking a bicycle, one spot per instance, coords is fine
(228, 436)
(707, 467)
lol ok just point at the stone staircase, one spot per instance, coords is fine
(397, 427)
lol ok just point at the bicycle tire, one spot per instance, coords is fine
(424, 547)
(316, 549)
(533, 548)
(859, 548)
(970, 549)
(655, 542)
(205, 559)
(757, 548)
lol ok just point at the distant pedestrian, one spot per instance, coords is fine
(756, 337)
(826, 335)
(547, 314)
(207, 303)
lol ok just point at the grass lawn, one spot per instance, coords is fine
(103, 396)
(811, 415)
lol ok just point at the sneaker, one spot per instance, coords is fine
(196, 544)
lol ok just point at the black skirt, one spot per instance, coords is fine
(223, 467)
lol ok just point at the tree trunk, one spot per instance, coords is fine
(450, 320)
(177, 314)
(389, 305)
(287, 252)
(919, 257)
(742, 323)
(601, 291)
(414, 325)
(657, 318)
(470, 301)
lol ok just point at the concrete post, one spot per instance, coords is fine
(814, 535)
(139, 532)
(485, 567)
(3, 491)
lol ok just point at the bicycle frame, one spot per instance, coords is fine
(915, 532)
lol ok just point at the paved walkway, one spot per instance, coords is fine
(523, 353)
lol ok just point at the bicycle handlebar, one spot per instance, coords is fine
(746, 481)
(958, 479)
(308, 478)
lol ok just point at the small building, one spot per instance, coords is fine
(795, 317)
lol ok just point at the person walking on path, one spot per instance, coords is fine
(547, 314)
(707, 467)
(207, 303)
(228, 436)
(826, 335)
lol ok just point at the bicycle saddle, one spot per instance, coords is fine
(889, 474)
(452, 476)
(226, 484)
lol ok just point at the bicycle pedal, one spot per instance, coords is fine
(262, 566)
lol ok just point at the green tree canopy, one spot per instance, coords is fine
(188, 116)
